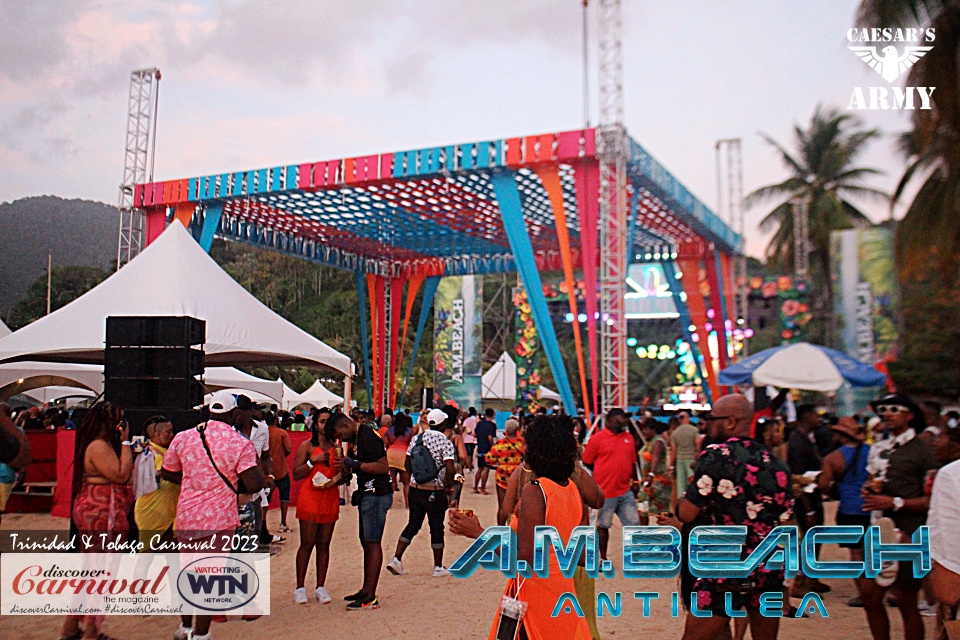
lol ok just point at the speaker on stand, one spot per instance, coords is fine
(151, 367)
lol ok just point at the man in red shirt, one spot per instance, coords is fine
(612, 455)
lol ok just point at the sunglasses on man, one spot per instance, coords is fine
(710, 417)
(891, 409)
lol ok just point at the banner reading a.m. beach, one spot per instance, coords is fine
(457, 340)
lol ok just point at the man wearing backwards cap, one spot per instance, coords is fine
(207, 509)
(898, 469)
(428, 495)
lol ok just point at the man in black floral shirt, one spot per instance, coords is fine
(736, 481)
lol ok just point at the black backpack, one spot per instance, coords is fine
(424, 467)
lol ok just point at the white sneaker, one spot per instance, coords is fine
(321, 595)
(300, 595)
(395, 567)
(888, 570)
(208, 636)
(182, 633)
(441, 572)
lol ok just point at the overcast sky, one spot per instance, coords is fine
(251, 84)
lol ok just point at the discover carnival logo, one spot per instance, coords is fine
(877, 48)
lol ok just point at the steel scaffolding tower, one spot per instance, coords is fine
(729, 160)
(612, 151)
(141, 114)
(801, 237)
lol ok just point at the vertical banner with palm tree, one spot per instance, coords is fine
(457, 341)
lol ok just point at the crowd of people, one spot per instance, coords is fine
(897, 470)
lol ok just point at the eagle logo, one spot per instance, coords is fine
(890, 64)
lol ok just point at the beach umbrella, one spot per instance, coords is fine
(802, 366)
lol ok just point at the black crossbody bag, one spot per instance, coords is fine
(239, 489)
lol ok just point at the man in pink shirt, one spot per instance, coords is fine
(612, 455)
(208, 462)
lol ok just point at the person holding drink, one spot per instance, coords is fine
(318, 506)
(897, 469)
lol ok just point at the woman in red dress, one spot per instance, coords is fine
(318, 509)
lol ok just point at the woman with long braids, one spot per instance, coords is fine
(102, 495)
(318, 509)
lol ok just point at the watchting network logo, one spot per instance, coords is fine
(877, 49)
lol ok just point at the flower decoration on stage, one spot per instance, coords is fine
(793, 310)
(526, 350)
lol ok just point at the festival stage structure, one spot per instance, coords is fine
(399, 221)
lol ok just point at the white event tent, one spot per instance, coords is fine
(317, 395)
(173, 276)
(65, 378)
(500, 382)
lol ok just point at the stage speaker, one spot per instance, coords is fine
(426, 398)
(153, 362)
(155, 331)
(158, 394)
(151, 368)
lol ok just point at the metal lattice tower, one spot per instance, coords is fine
(612, 151)
(730, 204)
(141, 114)
(498, 318)
(801, 237)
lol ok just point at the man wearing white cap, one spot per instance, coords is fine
(208, 462)
(430, 465)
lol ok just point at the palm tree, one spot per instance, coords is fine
(825, 177)
(928, 236)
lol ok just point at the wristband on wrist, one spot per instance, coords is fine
(309, 464)
(126, 443)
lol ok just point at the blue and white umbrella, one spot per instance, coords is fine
(802, 366)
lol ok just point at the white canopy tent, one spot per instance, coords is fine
(49, 394)
(317, 395)
(173, 277)
(4, 329)
(500, 382)
(21, 377)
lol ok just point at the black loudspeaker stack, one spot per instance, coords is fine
(426, 398)
(151, 366)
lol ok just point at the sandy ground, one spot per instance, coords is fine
(417, 605)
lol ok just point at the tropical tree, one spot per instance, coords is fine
(825, 177)
(929, 235)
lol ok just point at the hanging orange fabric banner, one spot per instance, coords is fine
(413, 288)
(690, 268)
(730, 290)
(550, 177)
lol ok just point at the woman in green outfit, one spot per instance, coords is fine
(656, 483)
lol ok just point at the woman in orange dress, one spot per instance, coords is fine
(317, 509)
(553, 500)
(397, 441)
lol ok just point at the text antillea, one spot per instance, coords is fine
(713, 552)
